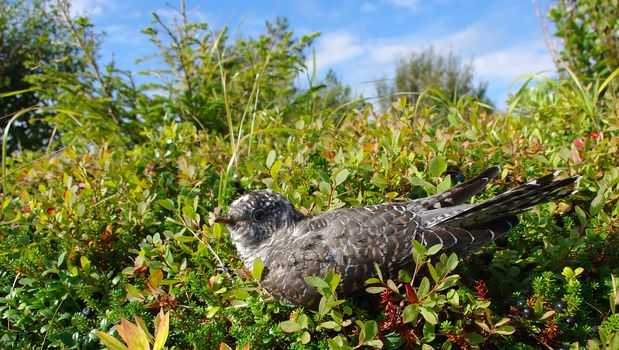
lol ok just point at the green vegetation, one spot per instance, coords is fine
(113, 220)
(443, 78)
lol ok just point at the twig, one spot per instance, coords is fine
(208, 245)
(547, 37)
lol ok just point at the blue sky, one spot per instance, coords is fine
(360, 39)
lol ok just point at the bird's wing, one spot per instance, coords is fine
(457, 194)
(351, 241)
(348, 242)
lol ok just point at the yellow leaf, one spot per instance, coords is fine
(110, 342)
(162, 325)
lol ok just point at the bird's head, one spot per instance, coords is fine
(254, 217)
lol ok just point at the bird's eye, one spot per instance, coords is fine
(260, 215)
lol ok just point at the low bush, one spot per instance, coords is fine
(106, 228)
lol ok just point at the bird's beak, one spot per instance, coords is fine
(224, 220)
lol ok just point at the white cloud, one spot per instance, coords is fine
(513, 62)
(194, 14)
(412, 5)
(368, 7)
(497, 55)
(86, 8)
(123, 34)
(334, 48)
(389, 52)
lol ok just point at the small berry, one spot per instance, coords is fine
(560, 306)
(527, 312)
(501, 242)
(570, 320)
(521, 303)
(487, 257)
(460, 177)
(563, 347)
(594, 329)
(86, 311)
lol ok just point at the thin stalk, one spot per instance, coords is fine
(90, 56)
(5, 135)
(253, 122)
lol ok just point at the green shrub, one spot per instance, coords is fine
(98, 230)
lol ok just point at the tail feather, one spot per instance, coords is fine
(462, 228)
(514, 201)
(457, 194)
(511, 202)
(463, 240)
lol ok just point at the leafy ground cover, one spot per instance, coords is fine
(104, 228)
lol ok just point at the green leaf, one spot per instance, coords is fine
(452, 262)
(379, 274)
(330, 325)
(375, 290)
(410, 314)
(370, 330)
(110, 342)
(376, 343)
(433, 273)
(289, 326)
(85, 264)
(155, 278)
(166, 203)
(415, 181)
(305, 337)
(444, 185)
(475, 338)
(453, 297)
(162, 326)
(419, 252)
(437, 166)
(270, 159)
(211, 311)
(136, 337)
(258, 268)
(275, 168)
(424, 288)
(316, 282)
(392, 286)
(379, 181)
(448, 282)
(428, 332)
(341, 176)
(303, 320)
(568, 272)
(338, 343)
(335, 281)
(429, 315)
(538, 307)
(505, 330)
(372, 280)
(434, 249)
(597, 204)
(404, 276)
(582, 217)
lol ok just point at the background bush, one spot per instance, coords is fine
(114, 218)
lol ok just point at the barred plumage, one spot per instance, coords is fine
(349, 241)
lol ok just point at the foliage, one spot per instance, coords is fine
(433, 80)
(116, 226)
(137, 336)
(205, 77)
(31, 38)
(588, 29)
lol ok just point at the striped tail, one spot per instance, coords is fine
(465, 227)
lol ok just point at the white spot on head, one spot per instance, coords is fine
(240, 200)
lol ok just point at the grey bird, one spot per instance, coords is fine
(350, 241)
